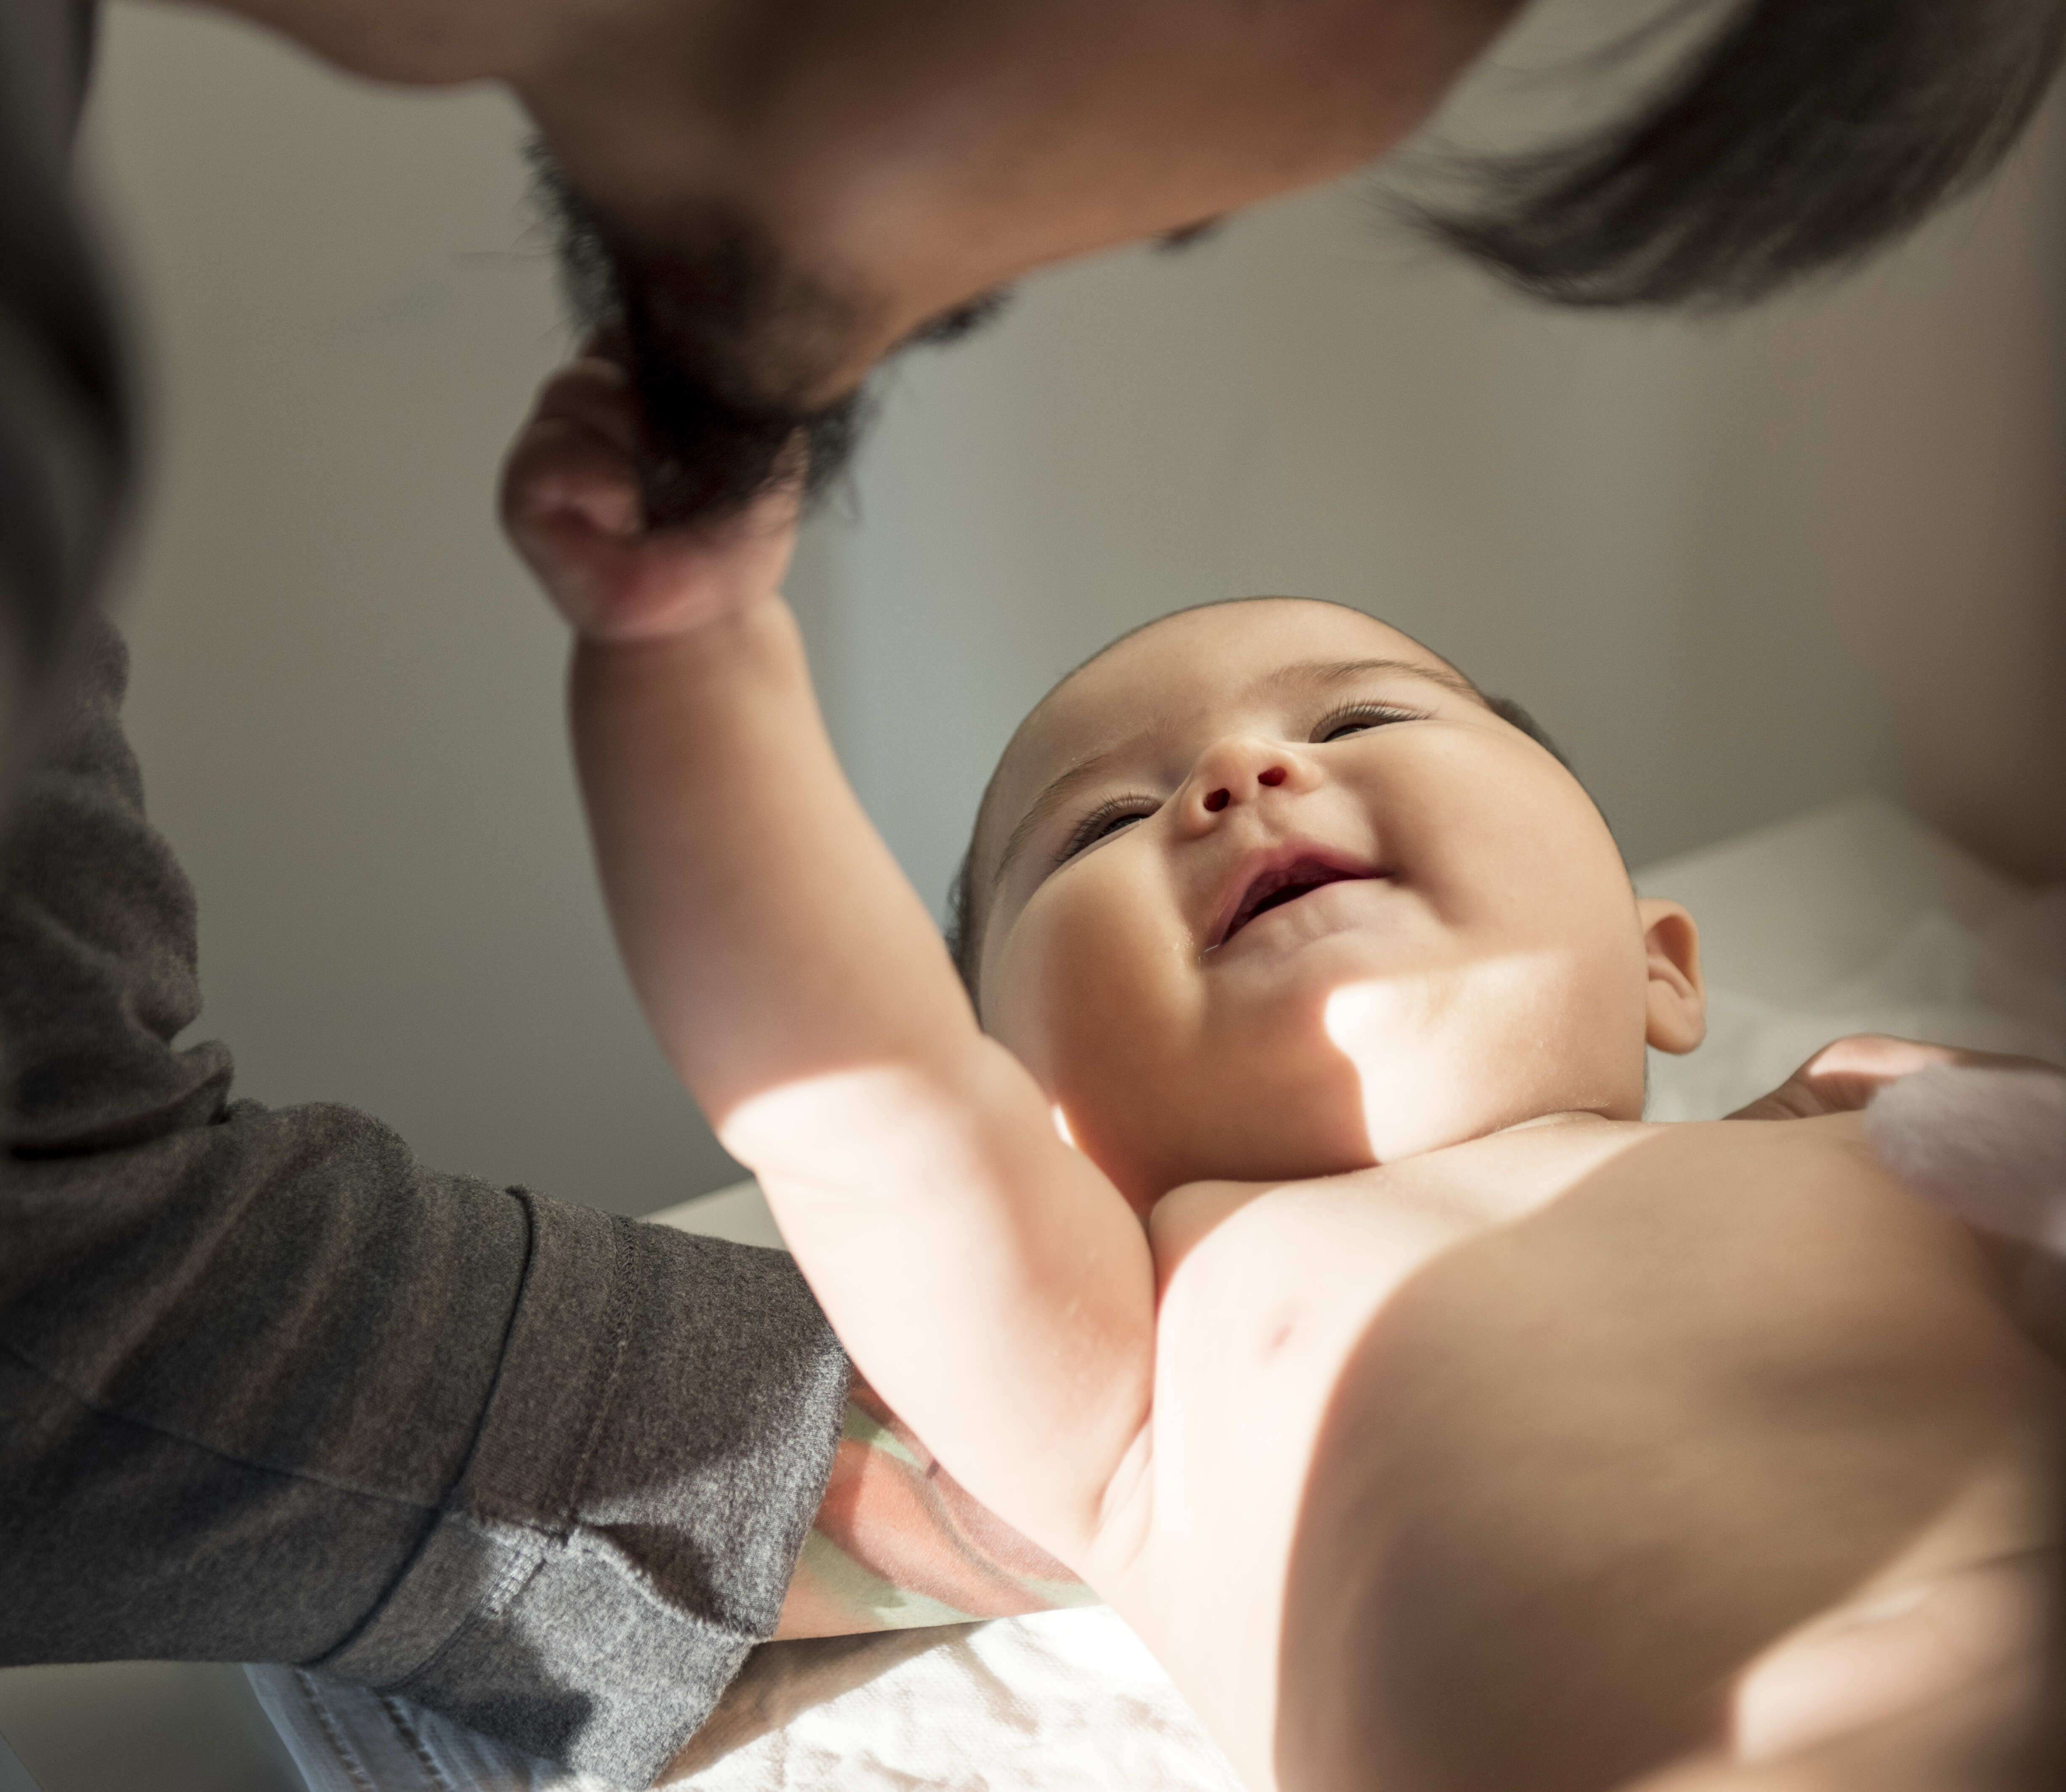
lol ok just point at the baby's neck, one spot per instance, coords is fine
(1564, 1117)
(1509, 1166)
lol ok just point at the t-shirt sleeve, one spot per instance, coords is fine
(272, 1390)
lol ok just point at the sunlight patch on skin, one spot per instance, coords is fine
(1390, 1029)
(823, 1129)
(1063, 1595)
(1062, 1125)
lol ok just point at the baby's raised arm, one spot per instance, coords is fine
(991, 1282)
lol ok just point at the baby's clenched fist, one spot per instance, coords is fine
(570, 503)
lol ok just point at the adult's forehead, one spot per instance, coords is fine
(1177, 664)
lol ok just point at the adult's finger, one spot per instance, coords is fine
(1845, 1074)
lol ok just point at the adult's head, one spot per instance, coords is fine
(768, 197)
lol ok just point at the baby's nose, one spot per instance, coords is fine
(1237, 769)
(1218, 799)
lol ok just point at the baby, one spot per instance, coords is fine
(1262, 1222)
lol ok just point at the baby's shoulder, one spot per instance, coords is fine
(1188, 1215)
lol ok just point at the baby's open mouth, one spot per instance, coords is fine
(1278, 885)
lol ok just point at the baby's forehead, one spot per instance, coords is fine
(1183, 664)
(1198, 657)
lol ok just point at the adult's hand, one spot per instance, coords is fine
(1989, 1148)
(1845, 1074)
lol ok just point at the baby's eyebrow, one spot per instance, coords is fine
(1058, 791)
(1305, 675)
(1335, 671)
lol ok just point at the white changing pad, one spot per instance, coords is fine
(1051, 1703)
(1856, 918)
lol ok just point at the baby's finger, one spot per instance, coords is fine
(571, 502)
(572, 510)
(668, 581)
(568, 490)
(596, 392)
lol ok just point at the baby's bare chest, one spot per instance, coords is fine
(1356, 1360)
(1264, 1295)
(1252, 1279)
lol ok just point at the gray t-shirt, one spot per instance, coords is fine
(270, 1389)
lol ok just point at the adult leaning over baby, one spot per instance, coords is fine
(276, 1388)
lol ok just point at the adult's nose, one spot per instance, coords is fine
(1237, 770)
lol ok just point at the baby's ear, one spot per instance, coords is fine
(1678, 1000)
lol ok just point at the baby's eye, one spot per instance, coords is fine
(1357, 717)
(1105, 820)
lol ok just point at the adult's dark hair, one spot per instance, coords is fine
(713, 443)
(1801, 135)
(713, 331)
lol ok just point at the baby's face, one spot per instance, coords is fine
(1271, 893)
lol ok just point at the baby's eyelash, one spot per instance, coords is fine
(1097, 824)
(1367, 715)
(1093, 827)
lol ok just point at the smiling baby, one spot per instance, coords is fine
(1259, 1217)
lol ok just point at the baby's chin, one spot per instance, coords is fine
(1148, 1155)
(1349, 1076)
(1347, 1119)
(1398, 1131)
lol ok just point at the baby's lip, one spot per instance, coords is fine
(1281, 874)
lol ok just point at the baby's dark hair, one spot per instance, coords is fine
(964, 929)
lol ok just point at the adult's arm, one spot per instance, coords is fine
(899, 1544)
(270, 1389)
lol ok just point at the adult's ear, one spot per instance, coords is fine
(1678, 1000)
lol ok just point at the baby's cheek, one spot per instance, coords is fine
(1063, 976)
(1092, 1003)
